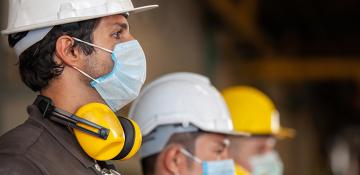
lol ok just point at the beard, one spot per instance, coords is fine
(97, 67)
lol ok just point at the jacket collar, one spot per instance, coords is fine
(63, 135)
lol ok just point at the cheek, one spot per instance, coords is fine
(205, 151)
(243, 159)
(225, 154)
(100, 64)
(195, 169)
(207, 154)
(108, 64)
(242, 154)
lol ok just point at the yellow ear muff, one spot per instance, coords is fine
(95, 147)
(132, 139)
(122, 142)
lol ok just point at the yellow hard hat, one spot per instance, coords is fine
(254, 112)
(240, 170)
(123, 139)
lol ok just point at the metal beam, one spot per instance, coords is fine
(242, 18)
(285, 69)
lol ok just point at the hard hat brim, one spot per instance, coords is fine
(231, 133)
(75, 19)
(285, 133)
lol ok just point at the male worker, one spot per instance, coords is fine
(253, 112)
(184, 120)
(73, 52)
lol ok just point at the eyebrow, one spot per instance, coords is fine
(220, 145)
(121, 25)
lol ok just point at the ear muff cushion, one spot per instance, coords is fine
(129, 132)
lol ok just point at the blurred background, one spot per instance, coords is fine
(304, 54)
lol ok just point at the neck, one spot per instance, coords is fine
(70, 93)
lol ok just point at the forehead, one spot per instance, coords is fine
(263, 140)
(210, 139)
(112, 21)
(254, 141)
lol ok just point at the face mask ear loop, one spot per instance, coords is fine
(91, 44)
(87, 75)
(188, 154)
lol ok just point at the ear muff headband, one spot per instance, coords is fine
(129, 132)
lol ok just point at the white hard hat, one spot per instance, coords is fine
(28, 15)
(178, 103)
(181, 98)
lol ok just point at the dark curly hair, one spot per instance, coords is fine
(37, 65)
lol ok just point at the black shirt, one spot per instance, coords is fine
(40, 146)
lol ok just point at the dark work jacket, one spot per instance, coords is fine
(40, 146)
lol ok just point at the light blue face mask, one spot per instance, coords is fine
(123, 83)
(215, 167)
(267, 164)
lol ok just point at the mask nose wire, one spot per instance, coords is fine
(91, 44)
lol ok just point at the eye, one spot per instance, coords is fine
(117, 34)
(219, 150)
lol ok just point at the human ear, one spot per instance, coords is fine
(174, 160)
(65, 51)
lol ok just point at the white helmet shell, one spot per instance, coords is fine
(181, 98)
(28, 15)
